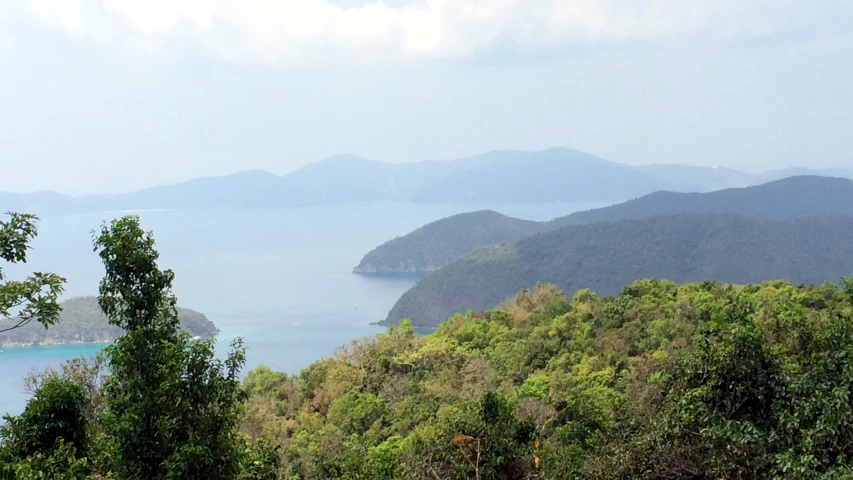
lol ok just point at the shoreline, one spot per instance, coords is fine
(58, 343)
(17, 345)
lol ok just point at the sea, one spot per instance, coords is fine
(279, 278)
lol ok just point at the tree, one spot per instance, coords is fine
(50, 438)
(171, 407)
(89, 373)
(56, 411)
(35, 297)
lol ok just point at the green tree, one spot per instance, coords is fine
(357, 412)
(171, 407)
(35, 297)
(50, 438)
(62, 463)
(56, 411)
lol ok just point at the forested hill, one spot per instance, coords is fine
(665, 381)
(443, 241)
(782, 199)
(605, 256)
(82, 321)
(438, 243)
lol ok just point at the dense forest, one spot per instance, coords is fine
(663, 381)
(441, 242)
(82, 321)
(605, 256)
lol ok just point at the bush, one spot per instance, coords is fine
(57, 412)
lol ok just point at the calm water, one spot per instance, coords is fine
(279, 278)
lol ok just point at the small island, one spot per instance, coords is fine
(83, 322)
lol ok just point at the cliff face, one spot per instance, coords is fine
(82, 321)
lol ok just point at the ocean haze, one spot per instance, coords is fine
(501, 176)
(92, 115)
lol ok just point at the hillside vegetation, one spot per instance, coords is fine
(664, 381)
(82, 321)
(439, 243)
(606, 255)
(782, 199)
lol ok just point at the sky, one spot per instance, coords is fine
(101, 96)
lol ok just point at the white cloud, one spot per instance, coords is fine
(287, 31)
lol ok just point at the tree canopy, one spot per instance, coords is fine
(166, 408)
(35, 297)
(663, 381)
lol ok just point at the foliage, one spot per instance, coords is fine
(605, 256)
(170, 405)
(88, 373)
(50, 438)
(662, 381)
(157, 404)
(56, 411)
(763, 393)
(260, 461)
(61, 463)
(35, 297)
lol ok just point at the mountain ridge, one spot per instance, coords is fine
(504, 176)
(436, 244)
(680, 247)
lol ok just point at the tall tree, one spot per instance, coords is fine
(35, 297)
(171, 407)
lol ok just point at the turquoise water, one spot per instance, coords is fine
(281, 279)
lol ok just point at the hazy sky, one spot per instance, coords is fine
(112, 95)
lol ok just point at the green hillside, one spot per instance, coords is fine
(438, 243)
(663, 382)
(606, 255)
(82, 321)
(441, 242)
(782, 199)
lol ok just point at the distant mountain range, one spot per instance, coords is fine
(557, 174)
(606, 256)
(441, 242)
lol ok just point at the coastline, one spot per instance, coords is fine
(52, 343)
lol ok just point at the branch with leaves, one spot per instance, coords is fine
(37, 296)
